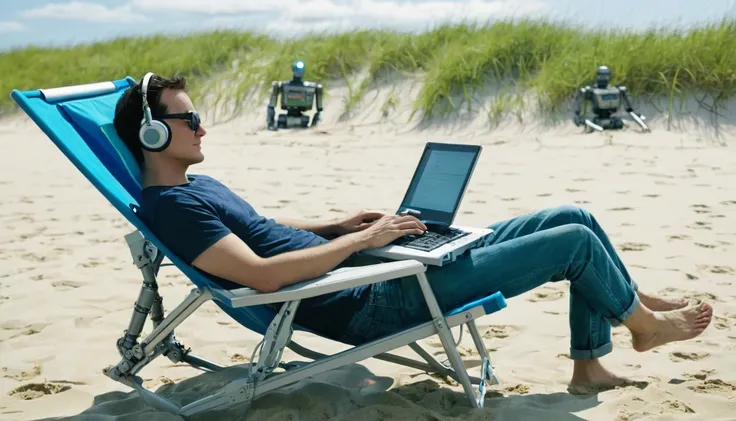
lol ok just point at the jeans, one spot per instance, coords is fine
(550, 245)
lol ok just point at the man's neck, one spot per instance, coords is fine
(156, 176)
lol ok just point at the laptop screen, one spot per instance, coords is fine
(440, 180)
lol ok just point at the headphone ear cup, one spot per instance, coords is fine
(156, 137)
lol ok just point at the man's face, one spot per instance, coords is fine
(186, 144)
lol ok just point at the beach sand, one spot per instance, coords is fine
(666, 198)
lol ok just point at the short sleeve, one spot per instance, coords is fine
(187, 225)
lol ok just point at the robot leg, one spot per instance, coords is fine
(282, 121)
(270, 114)
(617, 123)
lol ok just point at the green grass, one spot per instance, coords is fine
(455, 62)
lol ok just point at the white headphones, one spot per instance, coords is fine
(154, 135)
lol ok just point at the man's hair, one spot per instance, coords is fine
(129, 109)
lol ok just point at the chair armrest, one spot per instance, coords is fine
(337, 280)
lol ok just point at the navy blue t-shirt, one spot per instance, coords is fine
(190, 218)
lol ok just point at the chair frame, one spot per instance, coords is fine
(261, 377)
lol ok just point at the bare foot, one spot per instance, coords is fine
(591, 377)
(676, 325)
(661, 304)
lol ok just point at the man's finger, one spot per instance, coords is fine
(409, 225)
(369, 214)
(413, 219)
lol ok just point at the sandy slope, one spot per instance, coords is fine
(667, 199)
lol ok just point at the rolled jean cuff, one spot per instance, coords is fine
(590, 354)
(616, 321)
(634, 286)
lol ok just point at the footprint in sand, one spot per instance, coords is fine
(676, 406)
(700, 225)
(700, 208)
(153, 383)
(651, 195)
(21, 375)
(717, 269)
(27, 330)
(571, 190)
(628, 246)
(679, 237)
(622, 208)
(66, 285)
(706, 246)
(499, 332)
(519, 389)
(702, 375)
(678, 356)
(239, 358)
(38, 390)
(697, 296)
(728, 202)
(547, 295)
(712, 386)
(722, 323)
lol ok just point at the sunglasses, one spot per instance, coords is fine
(192, 117)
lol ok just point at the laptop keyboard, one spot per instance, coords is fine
(430, 240)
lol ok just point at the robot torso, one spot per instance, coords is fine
(297, 96)
(605, 99)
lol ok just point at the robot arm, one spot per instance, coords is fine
(639, 118)
(580, 96)
(273, 101)
(625, 97)
(318, 98)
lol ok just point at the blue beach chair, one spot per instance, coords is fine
(78, 119)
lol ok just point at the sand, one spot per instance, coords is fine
(666, 198)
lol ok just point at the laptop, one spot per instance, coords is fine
(434, 195)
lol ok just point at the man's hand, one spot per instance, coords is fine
(357, 222)
(388, 228)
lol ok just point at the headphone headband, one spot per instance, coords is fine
(144, 93)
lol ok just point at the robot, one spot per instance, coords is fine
(605, 100)
(297, 97)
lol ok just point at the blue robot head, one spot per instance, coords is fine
(297, 68)
(603, 76)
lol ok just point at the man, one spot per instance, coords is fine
(221, 234)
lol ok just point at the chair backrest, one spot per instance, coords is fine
(78, 120)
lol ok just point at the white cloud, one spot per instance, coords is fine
(298, 16)
(88, 12)
(9, 26)
(213, 7)
(323, 10)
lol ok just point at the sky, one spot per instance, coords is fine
(61, 23)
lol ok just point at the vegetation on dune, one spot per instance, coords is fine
(455, 61)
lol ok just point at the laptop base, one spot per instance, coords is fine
(440, 256)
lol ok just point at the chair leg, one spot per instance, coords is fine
(482, 351)
(443, 331)
(161, 340)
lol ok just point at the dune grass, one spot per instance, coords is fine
(455, 62)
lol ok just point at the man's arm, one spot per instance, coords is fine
(230, 258)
